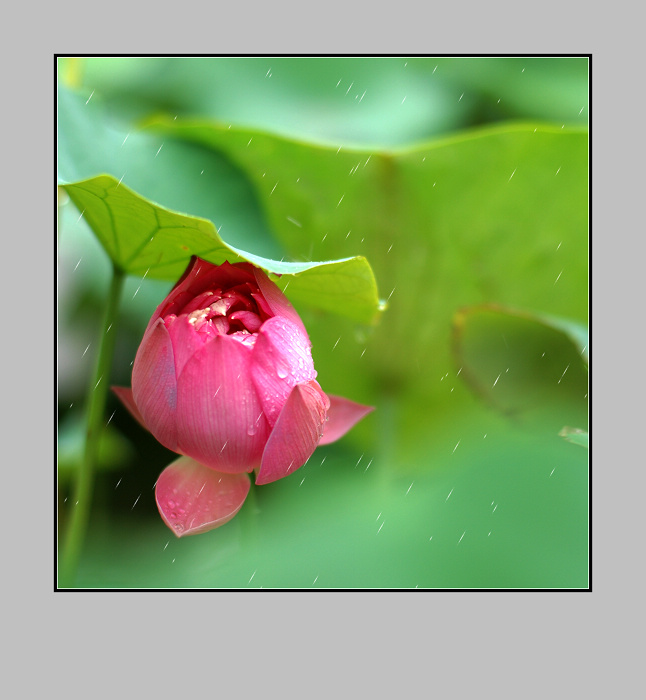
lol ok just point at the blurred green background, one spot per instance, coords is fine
(464, 181)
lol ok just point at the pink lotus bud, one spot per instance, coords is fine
(224, 376)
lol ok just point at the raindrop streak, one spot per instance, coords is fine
(496, 382)
(564, 371)
(159, 149)
(557, 279)
(315, 580)
(512, 175)
(111, 417)
(92, 93)
(86, 349)
(135, 503)
(118, 482)
(79, 262)
(463, 534)
(293, 221)
(449, 496)
(369, 463)
(337, 342)
(411, 486)
(456, 446)
(273, 188)
(552, 472)
(252, 575)
(343, 195)
(379, 530)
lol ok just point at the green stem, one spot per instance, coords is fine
(97, 397)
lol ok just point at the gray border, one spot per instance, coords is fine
(530, 640)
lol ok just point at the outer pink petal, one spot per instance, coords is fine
(193, 498)
(296, 433)
(220, 421)
(277, 301)
(125, 396)
(342, 415)
(154, 384)
(281, 359)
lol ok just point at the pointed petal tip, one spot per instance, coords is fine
(342, 415)
(124, 394)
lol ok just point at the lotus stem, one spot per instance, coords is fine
(96, 401)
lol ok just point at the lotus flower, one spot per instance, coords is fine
(224, 376)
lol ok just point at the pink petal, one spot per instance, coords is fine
(186, 340)
(282, 358)
(199, 277)
(296, 433)
(248, 319)
(154, 384)
(124, 394)
(193, 498)
(276, 300)
(342, 415)
(220, 421)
